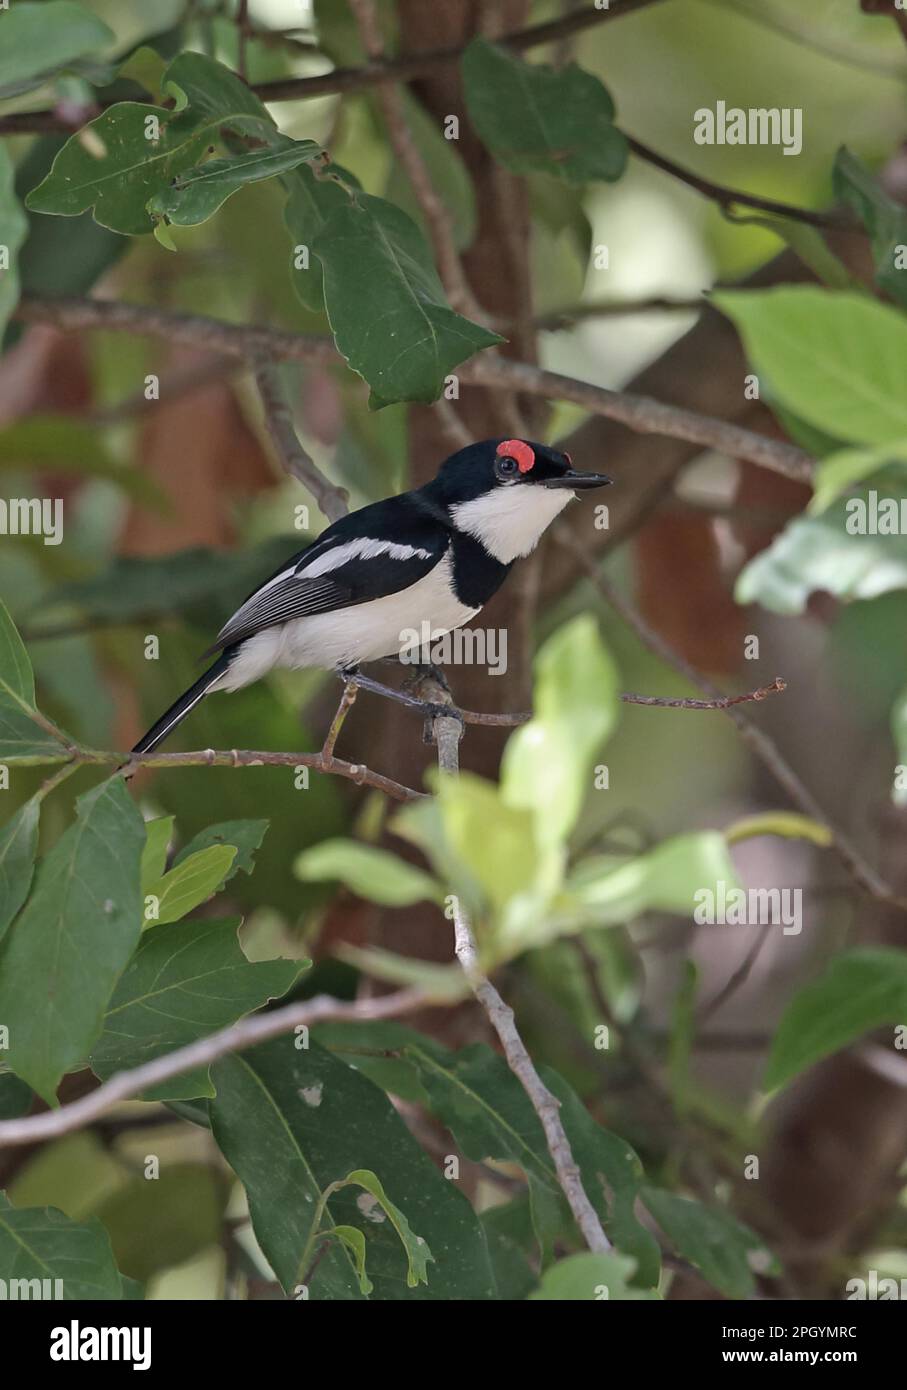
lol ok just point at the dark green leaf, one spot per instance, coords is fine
(18, 847)
(884, 219)
(292, 1120)
(22, 739)
(195, 195)
(15, 1097)
(535, 117)
(62, 956)
(860, 990)
(185, 981)
(385, 303)
(39, 40)
(245, 836)
(13, 229)
(711, 1239)
(42, 1243)
(312, 198)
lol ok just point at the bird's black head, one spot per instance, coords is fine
(505, 493)
(493, 464)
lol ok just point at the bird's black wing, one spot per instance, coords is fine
(377, 551)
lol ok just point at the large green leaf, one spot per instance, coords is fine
(535, 117)
(133, 152)
(479, 1099)
(884, 219)
(188, 884)
(62, 956)
(372, 873)
(547, 766)
(827, 553)
(185, 981)
(720, 1247)
(292, 1120)
(13, 229)
(196, 194)
(860, 990)
(39, 40)
(18, 847)
(833, 358)
(312, 196)
(580, 1278)
(42, 1243)
(21, 738)
(385, 303)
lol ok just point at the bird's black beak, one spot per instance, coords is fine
(574, 480)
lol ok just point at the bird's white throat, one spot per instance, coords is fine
(510, 521)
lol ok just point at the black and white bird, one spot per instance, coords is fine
(434, 556)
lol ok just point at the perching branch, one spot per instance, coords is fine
(236, 1037)
(333, 501)
(639, 413)
(447, 732)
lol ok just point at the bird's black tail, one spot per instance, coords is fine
(181, 707)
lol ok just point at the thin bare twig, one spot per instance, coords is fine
(447, 732)
(333, 501)
(236, 1037)
(738, 977)
(347, 700)
(639, 413)
(508, 721)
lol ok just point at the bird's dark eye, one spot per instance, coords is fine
(507, 466)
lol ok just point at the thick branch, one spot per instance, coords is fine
(236, 1037)
(639, 413)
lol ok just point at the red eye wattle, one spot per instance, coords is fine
(517, 449)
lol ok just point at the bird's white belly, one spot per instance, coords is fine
(348, 636)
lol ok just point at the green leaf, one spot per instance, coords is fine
(838, 471)
(827, 553)
(18, 847)
(443, 983)
(154, 1224)
(587, 1276)
(354, 1240)
(131, 152)
(475, 1094)
(291, 1120)
(15, 1097)
(17, 684)
(385, 303)
(664, 879)
(372, 873)
(313, 195)
(884, 219)
(185, 981)
(245, 836)
(832, 358)
(860, 990)
(13, 230)
(42, 1243)
(718, 1245)
(62, 956)
(535, 117)
(189, 884)
(547, 765)
(899, 734)
(196, 194)
(39, 40)
(158, 834)
(418, 1254)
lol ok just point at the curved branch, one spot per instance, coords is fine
(639, 413)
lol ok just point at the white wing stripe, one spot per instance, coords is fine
(362, 549)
